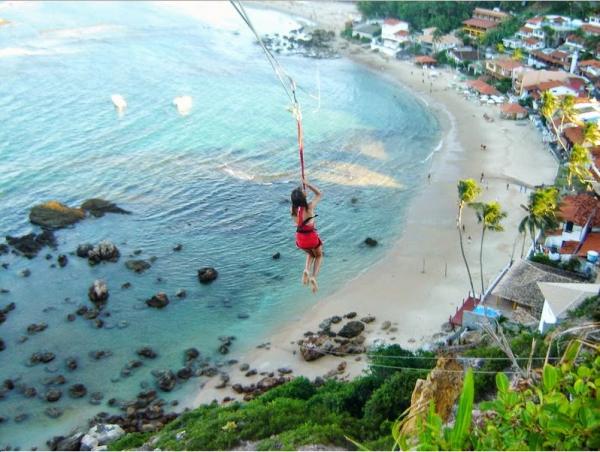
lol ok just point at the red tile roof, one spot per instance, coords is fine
(401, 33)
(512, 109)
(535, 20)
(585, 63)
(576, 39)
(424, 59)
(589, 28)
(545, 86)
(531, 41)
(579, 208)
(525, 29)
(481, 23)
(574, 135)
(392, 21)
(482, 87)
(490, 12)
(508, 64)
(591, 243)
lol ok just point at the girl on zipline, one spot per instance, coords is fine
(307, 238)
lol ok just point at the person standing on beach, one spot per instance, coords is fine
(307, 238)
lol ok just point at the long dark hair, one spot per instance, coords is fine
(298, 200)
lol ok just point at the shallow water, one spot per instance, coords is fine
(217, 181)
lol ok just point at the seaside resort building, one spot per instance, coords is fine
(394, 34)
(482, 21)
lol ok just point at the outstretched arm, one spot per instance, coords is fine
(318, 194)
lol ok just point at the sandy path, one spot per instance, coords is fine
(422, 279)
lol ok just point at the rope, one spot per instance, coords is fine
(290, 90)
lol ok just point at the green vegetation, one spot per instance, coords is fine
(571, 265)
(560, 412)
(300, 413)
(541, 212)
(589, 308)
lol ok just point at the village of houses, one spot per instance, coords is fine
(528, 290)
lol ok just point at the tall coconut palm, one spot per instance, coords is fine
(468, 191)
(591, 134)
(578, 165)
(548, 109)
(541, 212)
(567, 110)
(490, 215)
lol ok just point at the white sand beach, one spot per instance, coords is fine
(422, 279)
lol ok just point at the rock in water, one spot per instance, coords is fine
(146, 352)
(53, 395)
(207, 275)
(84, 249)
(104, 251)
(29, 245)
(98, 207)
(370, 242)
(137, 265)
(101, 435)
(352, 329)
(165, 380)
(55, 215)
(62, 260)
(160, 300)
(77, 391)
(98, 293)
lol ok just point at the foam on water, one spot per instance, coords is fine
(216, 180)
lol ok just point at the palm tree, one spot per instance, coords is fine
(436, 39)
(567, 110)
(517, 55)
(489, 215)
(548, 109)
(578, 164)
(541, 212)
(591, 134)
(468, 190)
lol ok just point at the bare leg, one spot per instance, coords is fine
(309, 262)
(318, 258)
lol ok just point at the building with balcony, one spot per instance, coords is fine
(482, 21)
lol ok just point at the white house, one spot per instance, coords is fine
(367, 31)
(394, 33)
(559, 298)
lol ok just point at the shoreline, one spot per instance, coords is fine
(421, 279)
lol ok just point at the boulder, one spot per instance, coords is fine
(104, 251)
(53, 395)
(277, 255)
(29, 392)
(165, 380)
(98, 207)
(41, 357)
(62, 260)
(84, 249)
(442, 387)
(181, 293)
(98, 293)
(4, 249)
(57, 380)
(350, 315)
(370, 242)
(100, 354)
(29, 245)
(368, 319)
(101, 435)
(53, 412)
(2, 345)
(178, 247)
(190, 354)
(54, 215)
(77, 391)
(25, 273)
(185, 373)
(207, 275)
(72, 442)
(138, 265)
(96, 398)
(36, 328)
(352, 329)
(159, 301)
(314, 347)
(386, 325)
(146, 352)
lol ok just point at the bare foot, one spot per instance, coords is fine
(313, 284)
(305, 277)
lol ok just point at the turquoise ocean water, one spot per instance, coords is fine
(217, 181)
